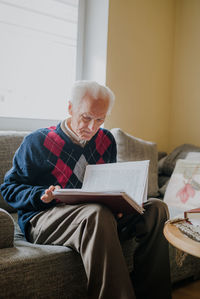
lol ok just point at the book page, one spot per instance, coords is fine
(130, 177)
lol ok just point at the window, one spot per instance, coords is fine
(44, 46)
(38, 57)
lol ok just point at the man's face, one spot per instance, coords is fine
(88, 116)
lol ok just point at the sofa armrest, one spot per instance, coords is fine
(6, 229)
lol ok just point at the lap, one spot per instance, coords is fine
(47, 227)
(66, 218)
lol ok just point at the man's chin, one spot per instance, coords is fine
(86, 136)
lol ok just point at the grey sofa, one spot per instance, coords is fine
(44, 271)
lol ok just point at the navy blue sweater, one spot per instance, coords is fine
(49, 157)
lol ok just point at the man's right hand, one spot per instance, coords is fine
(48, 195)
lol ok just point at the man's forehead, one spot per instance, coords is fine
(93, 102)
(90, 115)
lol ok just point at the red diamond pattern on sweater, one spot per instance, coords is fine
(100, 161)
(62, 172)
(54, 143)
(52, 128)
(102, 142)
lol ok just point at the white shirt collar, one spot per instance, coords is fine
(69, 132)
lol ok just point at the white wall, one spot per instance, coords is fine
(95, 40)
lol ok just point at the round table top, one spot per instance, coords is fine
(180, 240)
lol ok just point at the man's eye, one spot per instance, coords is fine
(86, 118)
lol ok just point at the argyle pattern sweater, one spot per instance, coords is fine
(49, 157)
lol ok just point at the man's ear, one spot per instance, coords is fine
(70, 108)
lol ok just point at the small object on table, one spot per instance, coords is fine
(179, 239)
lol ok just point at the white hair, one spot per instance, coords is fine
(94, 89)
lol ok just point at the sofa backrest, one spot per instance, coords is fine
(9, 142)
(131, 148)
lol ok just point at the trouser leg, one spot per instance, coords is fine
(92, 231)
(151, 275)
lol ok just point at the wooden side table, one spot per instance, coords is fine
(180, 240)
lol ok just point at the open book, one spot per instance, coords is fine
(122, 187)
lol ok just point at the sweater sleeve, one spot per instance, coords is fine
(18, 188)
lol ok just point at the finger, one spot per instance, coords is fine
(48, 192)
(57, 187)
(51, 188)
(44, 198)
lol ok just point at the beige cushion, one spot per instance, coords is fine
(130, 148)
(6, 229)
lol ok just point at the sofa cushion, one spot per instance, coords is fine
(41, 271)
(45, 271)
(167, 164)
(9, 142)
(6, 230)
(130, 148)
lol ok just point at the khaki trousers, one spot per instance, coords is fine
(93, 231)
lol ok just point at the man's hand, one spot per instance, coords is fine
(48, 196)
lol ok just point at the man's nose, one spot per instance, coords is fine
(91, 125)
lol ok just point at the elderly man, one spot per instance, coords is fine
(57, 157)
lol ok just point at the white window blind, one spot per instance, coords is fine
(38, 54)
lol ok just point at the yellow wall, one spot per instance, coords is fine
(153, 67)
(185, 110)
(139, 67)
